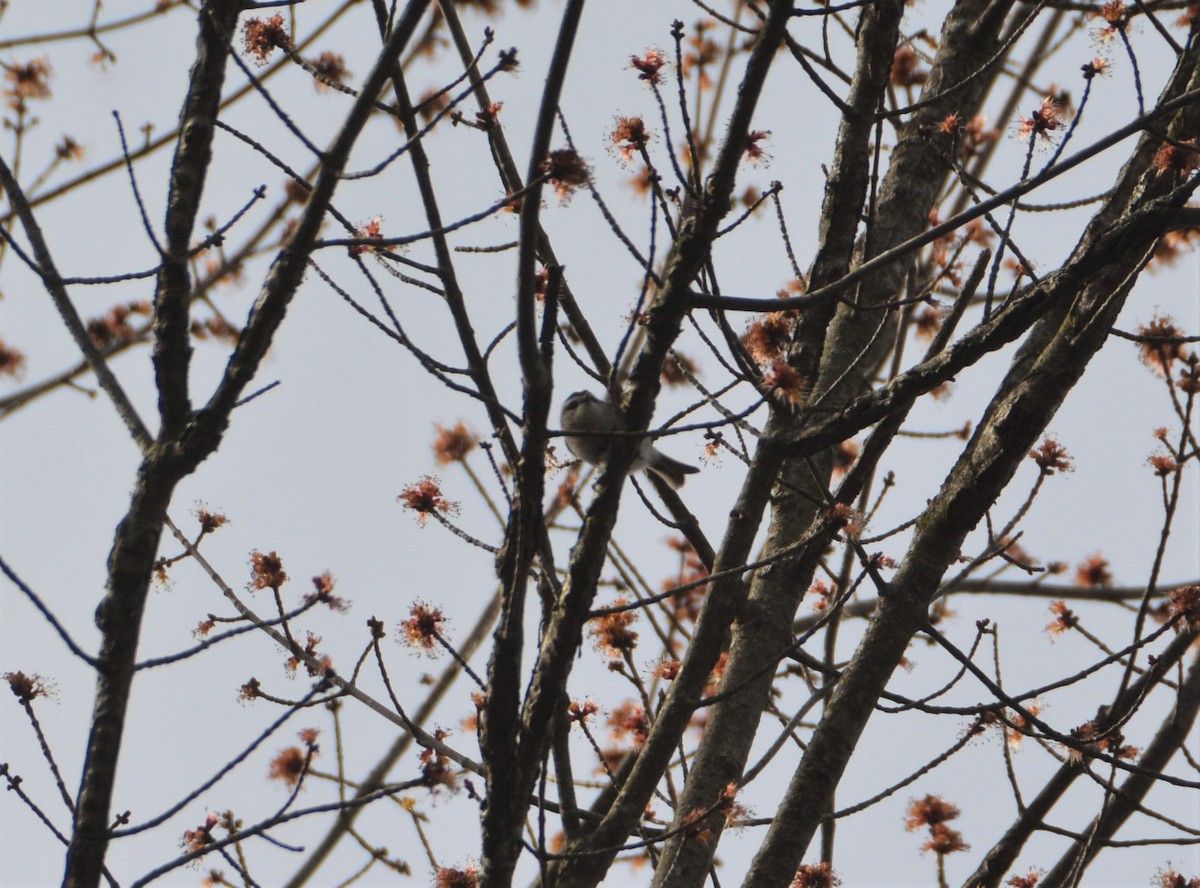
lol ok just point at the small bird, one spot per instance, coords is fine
(584, 412)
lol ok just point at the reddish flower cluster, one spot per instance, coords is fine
(677, 368)
(843, 459)
(262, 36)
(425, 498)
(291, 763)
(28, 688)
(297, 190)
(566, 490)
(927, 322)
(25, 82)
(1018, 269)
(785, 382)
(825, 592)
(1159, 353)
(1051, 457)
(612, 633)
(1015, 737)
(324, 663)
(422, 628)
(717, 673)
(433, 102)
(373, 230)
(1174, 244)
(843, 515)
(1042, 121)
(200, 837)
(768, 337)
(816, 875)
(323, 594)
(114, 327)
(12, 362)
(68, 149)
(471, 722)
(935, 813)
(944, 840)
(266, 571)
(209, 521)
(1169, 878)
(649, 66)
(1028, 880)
(629, 137)
(754, 151)
(1189, 376)
(630, 722)
(929, 811)
(1164, 466)
(667, 670)
(457, 877)
(1064, 619)
(453, 444)
(1113, 20)
(1093, 572)
(329, 68)
(581, 711)
(567, 171)
(1185, 604)
(436, 769)
(906, 68)
(1097, 67)
(972, 136)
(643, 181)
(946, 252)
(693, 825)
(215, 327)
(731, 810)
(1093, 739)
(882, 561)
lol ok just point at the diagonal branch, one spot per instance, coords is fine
(44, 266)
(1113, 251)
(1000, 858)
(204, 433)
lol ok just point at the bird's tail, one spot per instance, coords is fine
(671, 470)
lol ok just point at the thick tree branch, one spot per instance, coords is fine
(688, 255)
(760, 630)
(1113, 254)
(171, 458)
(514, 748)
(193, 156)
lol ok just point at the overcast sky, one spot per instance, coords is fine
(312, 469)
